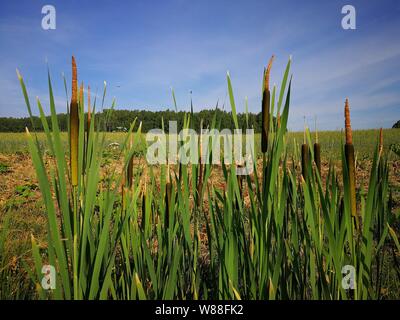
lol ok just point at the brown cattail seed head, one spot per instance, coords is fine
(317, 156)
(130, 163)
(350, 160)
(267, 73)
(380, 140)
(265, 108)
(349, 134)
(74, 97)
(305, 154)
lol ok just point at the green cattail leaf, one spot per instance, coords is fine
(232, 101)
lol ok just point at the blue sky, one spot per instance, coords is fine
(143, 48)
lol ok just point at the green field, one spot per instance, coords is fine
(331, 141)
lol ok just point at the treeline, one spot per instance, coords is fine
(19, 124)
(120, 120)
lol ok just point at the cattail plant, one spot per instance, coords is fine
(350, 160)
(317, 151)
(168, 191)
(265, 108)
(265, 120)
(305, 155)
(74, 126)
(130, 164)
(127, 174)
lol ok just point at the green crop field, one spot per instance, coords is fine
(364, 141)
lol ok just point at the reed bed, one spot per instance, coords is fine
(147, 239)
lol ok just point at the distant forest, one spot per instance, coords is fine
(120, 120)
